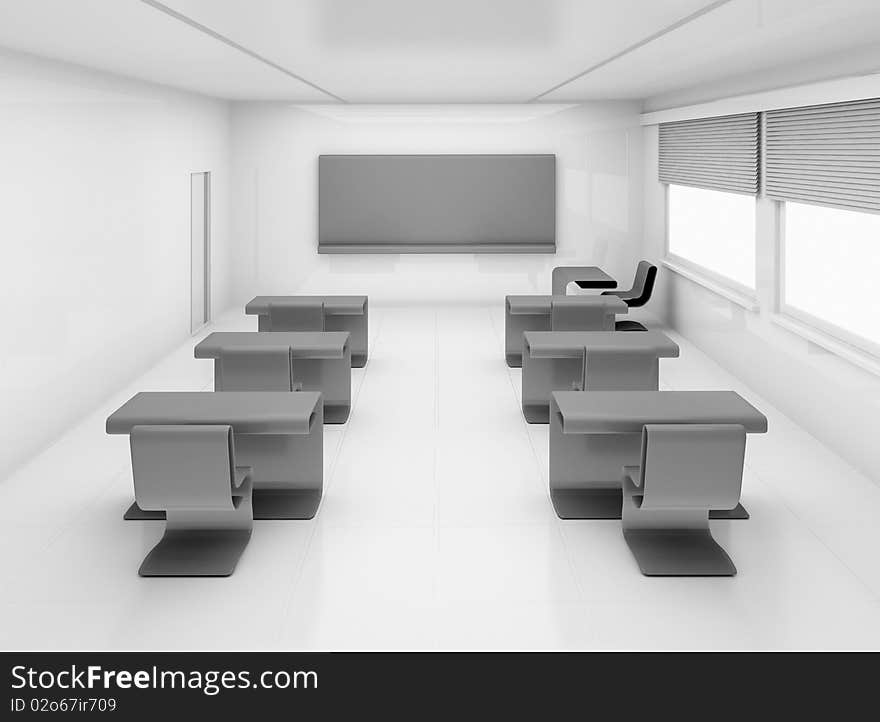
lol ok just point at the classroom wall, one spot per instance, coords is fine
(843, 66)
(95, 229)
(275, 149)
(834, 399)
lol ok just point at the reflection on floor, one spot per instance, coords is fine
(436, 529)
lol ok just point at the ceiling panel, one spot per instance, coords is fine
(131, 38)
(741, 37)
(440, 50)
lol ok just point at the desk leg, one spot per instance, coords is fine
(332, 377)
(585, 470)
(541, 377)
(739, 512)
(288, 471)
(514, 327)
(358, 327)
(587, 503)
(135, 513)
(268, 504)
(286, 503)
(606, 504)
(536, 413)
(336, 413)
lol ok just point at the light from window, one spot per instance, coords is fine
(832, 262)
(715, 230)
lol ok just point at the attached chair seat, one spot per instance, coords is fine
(629, 326)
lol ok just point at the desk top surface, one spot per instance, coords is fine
(562, 343)
(303, 344)
(248, 412)
(544, 304)
(333, 304)
(597, 412)
(529, 304)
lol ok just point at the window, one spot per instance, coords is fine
(831, 260)
(714, 230)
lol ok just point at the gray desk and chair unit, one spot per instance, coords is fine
(556, 313)
(284, 361)
(561, 312)
(662, 462)
(210, 517)
(279, 434)
(588, 361)
(316, 313)
(210, 463)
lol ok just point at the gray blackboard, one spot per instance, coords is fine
(437, 204)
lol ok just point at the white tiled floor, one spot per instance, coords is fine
(436, 529)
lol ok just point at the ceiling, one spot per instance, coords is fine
(438, 51)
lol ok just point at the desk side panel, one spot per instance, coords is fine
(541, 376)
(330, 376)
(357, 326)
(285, 461)
(514, 327)
(584, 461)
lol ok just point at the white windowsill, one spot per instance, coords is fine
(750, 303)
(850, 353)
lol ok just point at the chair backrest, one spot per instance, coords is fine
(183, 467)
(643, 285)
(306, 315)
(692, 466)
(581, 313)
(262, 368)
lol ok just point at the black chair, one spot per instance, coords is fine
(638, 295)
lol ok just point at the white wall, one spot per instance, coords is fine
(275, 167)
(94, 222)
(833, 399)
(844, 66)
